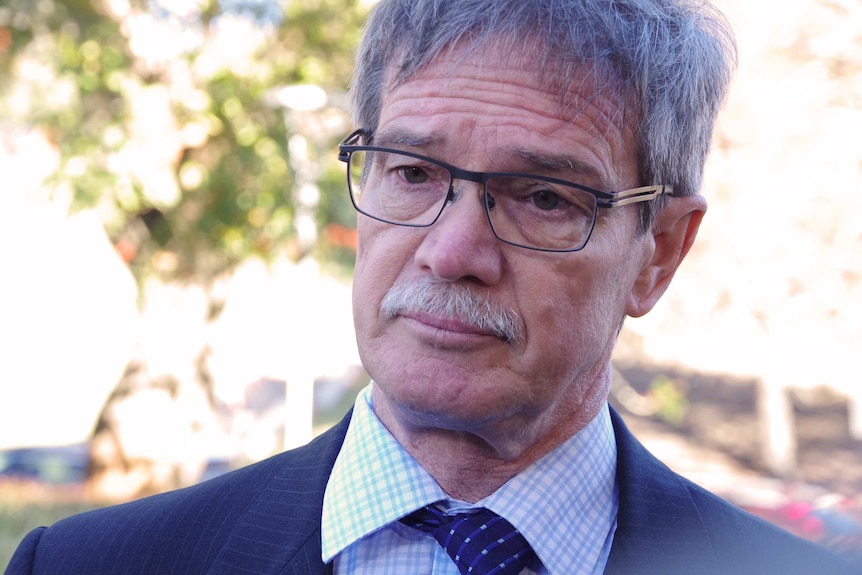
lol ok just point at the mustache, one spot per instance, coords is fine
(454, 301)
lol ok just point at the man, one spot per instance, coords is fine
(527, 174)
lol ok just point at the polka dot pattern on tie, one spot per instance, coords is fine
(480, 543)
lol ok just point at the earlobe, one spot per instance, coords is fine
(673, 234)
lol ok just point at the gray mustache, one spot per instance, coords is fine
(455, 301)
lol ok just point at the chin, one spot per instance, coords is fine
(457, 409)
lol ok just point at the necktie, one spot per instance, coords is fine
(481, 543)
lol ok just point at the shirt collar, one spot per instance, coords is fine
(379, 482)
(374, 478)
(566, 503)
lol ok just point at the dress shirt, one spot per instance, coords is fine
(565, 504)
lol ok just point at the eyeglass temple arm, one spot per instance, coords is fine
(642, 194)
(351, 140)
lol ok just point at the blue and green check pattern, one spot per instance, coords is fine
(565, 504)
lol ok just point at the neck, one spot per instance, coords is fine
(471, 465)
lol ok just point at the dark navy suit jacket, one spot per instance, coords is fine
(265, 519)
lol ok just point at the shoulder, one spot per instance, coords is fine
(751, 544)
(667, 521)
(183, 531)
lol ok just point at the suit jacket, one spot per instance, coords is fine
(265, 519)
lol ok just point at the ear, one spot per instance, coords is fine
(673, 234)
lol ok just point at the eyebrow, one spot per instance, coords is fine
(392, 137)
(558, 165)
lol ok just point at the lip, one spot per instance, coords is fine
(446, 331)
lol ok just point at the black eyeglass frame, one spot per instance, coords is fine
(603, 199)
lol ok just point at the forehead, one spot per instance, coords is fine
(494, 97)
(572, 83)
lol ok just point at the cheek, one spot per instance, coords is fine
(366, 278)
(572, 314)
(381, 256)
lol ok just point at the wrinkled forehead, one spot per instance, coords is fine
(574, 83)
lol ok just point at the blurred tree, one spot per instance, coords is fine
(166, 118)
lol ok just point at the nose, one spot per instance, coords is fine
(461, 246)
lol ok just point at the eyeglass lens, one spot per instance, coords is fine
(529, 211)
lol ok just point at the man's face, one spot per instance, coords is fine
(433, 369)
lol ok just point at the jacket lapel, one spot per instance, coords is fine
(659, 529)
(307, 560)
(280, 531)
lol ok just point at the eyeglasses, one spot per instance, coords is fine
(530, 211)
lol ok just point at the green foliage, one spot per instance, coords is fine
(670, 400)
(63, 60)
(183, 153)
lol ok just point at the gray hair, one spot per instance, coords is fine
(668, 62)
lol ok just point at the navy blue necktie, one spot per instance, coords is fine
(481, 543)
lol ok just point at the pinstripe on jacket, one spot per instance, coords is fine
(264, 519)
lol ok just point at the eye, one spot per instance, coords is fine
(546, 200)
(414, 175)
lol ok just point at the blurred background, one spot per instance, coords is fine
(177, 241)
